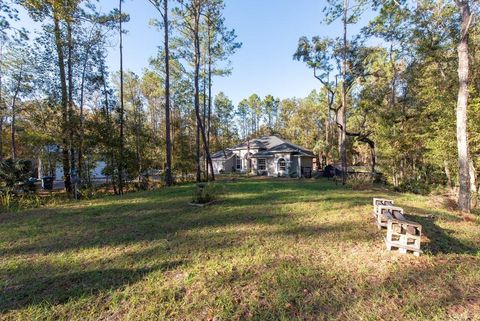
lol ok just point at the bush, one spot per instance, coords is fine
(14, 171)
(207, 192)
(414, 186)
(10, 201)
(360, 182)
(7, 199)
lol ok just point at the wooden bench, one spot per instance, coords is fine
(402, 234)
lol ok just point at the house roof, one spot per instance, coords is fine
(266, 142)
(222, 154)
(270, 145)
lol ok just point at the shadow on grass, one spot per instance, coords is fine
(161, 215)
(441, 239)
(190, 232)
(441, 242)
(61, 288)
(67, 233)
(153, 216)
(294, 289)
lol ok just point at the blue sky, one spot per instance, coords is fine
(269, 31)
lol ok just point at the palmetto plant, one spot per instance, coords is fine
(14, 171)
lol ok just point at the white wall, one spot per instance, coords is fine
(241, 153)
(96, 172)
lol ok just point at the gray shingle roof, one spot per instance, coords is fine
(268, 145)
(223, 154)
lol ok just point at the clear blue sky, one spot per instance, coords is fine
(269, 31)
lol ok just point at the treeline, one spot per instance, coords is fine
(407, 107)
(411, 102)
(60, 103)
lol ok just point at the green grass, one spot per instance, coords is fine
(269, 250)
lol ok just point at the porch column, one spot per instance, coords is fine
(299, 167)
(40, 169)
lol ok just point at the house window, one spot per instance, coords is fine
(282, 165)
(239, 163)
(262, 164)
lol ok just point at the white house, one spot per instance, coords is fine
(95, 171)
(270, 155)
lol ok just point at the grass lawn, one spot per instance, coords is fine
(270, 250)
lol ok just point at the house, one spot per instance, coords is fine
(49, 163)
(270, 155)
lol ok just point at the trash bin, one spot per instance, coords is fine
(47, 182)
(30, 184)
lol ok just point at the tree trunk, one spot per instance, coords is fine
(473, 183)
(12, 129)
(137, 141)
(70, 94)
(373, 154)
(2, 108)
(204, 120)
(63, 84)
(448, 174)
(1, 133)
(209, 115)
(197, 89)
(197, 150)
(327, 136)
(14, 117)
(342, 112)
(82, 117)
(462, 104)
(393, 84)
(120, 157)
(110, 151)
(168, 143)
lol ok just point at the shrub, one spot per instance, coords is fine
(207, 192)
(414, 186)
(360, 182)
(6, 199)
(14, 171)
(10, 201)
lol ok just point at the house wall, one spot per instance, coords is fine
(288, 159)
(223, 165)
(292, 163)
(271, 167)
(241, 153)
(268, 166)
(95, 172)
(217, 165)
(229, 164)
